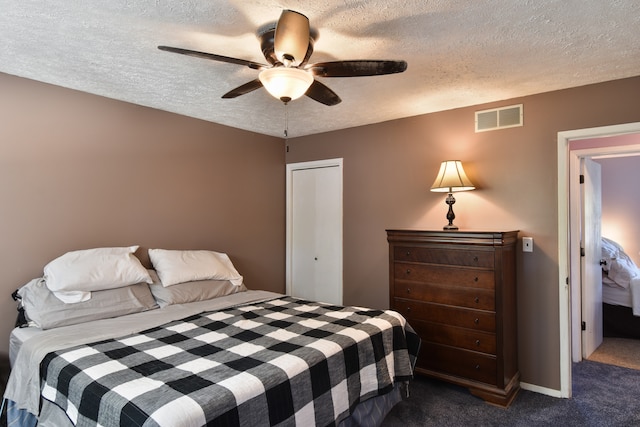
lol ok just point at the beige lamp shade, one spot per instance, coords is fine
(452, 178)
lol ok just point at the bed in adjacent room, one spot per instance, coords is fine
(187, 344)
(620, 292)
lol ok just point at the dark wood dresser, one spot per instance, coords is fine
(457, 289)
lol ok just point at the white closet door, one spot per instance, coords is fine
(314, 216)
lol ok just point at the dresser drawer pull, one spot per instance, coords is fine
(408, 309)
(477, 367)
(408, 290)
(476, 320)
(475, 259)
(477, 300)
(477, 342)
(408, 271)
(408, 253)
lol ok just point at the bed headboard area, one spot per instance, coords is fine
(79, 171)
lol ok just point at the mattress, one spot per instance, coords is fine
(616, 295)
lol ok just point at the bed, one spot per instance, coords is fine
(190, 345)
(620, 292)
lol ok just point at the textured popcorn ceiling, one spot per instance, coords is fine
(460, 53)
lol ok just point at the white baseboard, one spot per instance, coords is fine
(542, 390)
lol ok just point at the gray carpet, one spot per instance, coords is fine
(603, 395)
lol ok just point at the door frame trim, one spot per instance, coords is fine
(291, 167)
(568, 275)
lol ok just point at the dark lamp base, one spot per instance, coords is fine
(450, 215)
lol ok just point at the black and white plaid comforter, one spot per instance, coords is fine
(280, 362)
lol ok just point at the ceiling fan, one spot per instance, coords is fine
(288, 75)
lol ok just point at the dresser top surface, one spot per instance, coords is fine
(459, 231)
(453, 236)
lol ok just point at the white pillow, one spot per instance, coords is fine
(72, 276)
(622, 270)
(174, 266)
(610, 251)
(72, 297)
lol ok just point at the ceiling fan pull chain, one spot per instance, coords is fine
(286, 120)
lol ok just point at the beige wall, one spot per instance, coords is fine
(389, 167)
(80, 171)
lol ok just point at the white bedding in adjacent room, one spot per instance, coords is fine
(621, 277)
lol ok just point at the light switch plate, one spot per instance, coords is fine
(527, 244)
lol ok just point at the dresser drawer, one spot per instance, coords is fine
(456, 316)
(464, 256)
(462, 363)
(443, 275)
(454, 336)
(476, 298)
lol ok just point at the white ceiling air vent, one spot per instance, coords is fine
(499, 118)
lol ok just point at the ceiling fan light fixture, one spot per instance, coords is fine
(285, 83)
(287, 47)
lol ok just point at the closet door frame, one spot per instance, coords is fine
(336, 248)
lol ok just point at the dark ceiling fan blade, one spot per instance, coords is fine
(245, 88)
(357, 68)
(214, 57)
(321, 93)
(291, 40)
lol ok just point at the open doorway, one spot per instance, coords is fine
(615, 265)
(606, 273)
(569, 227)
